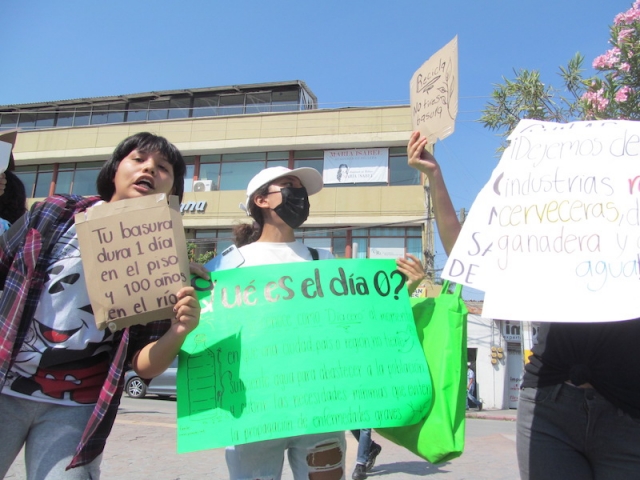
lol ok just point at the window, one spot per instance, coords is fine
(210, 169)
(138, 111)
(179, 107)
(400, 173)
(45, 119)
(205, 106)
(28, 177)
(232, 104)
(116, 113)
(84, 179)
(64, 180)
(309, 158)
(334, 240)
(8, 121)
(236, 175)
(99, 114)
(83, 114)
(65, 117)
(43, 181)
(158, 109)
(285, 101)
(387, 242)
(188, 176)
(258, 102)
(27, 120)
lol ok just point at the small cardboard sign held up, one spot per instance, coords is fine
(134, 255)
(434, 94)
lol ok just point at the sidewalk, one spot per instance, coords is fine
(508, 415)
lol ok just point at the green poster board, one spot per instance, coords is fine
(300, 348)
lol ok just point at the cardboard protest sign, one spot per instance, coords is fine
(434, 94)
(555, 234)
(301, 348)
(134, 255)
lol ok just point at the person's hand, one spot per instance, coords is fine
(3, 182)
(187, 312)
(419, 157)
(412, 268)
(199, 270)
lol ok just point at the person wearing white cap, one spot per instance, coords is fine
(278, 202)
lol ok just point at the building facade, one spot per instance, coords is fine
(227, 135)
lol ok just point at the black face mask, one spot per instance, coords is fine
(294, 209)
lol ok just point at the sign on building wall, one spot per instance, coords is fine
(357, 165)
(386, 248)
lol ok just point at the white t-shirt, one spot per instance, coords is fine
(269, 253)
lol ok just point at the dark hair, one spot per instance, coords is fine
(13, 203)
(245, 233)
(144, 142)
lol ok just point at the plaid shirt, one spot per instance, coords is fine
(24, 251)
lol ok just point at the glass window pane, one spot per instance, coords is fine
(400, 173)
(414, 247)
(27, 120)
(258, 102)
(210, 158)
(64, 181)
(65, 119)
(138, 111)
(158, 110)
(188, 178)
(8, 120)
(43, 182)
(205, 106)
(285, 101)
(242, 157)
(116, 113)
(317, 164)
(45, 119)
(82, 116)
(99, 114)
(28, 177)
(236, 175)
(278, 156)
(179, 107)
(304, 154)
(210, 171)
(339, 247)
(232, 104)
(278, 163)
(84, 180)
(360, 248)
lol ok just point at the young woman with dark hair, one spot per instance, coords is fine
(61, 377)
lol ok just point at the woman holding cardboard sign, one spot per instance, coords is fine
(62, 377)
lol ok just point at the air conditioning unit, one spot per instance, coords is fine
(202, 185)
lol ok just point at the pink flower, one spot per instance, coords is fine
(623, 94)
(596, 99)
(625, 67)
(624, 34)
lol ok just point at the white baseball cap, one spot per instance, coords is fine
(309, 177)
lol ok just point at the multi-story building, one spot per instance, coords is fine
(227, 134)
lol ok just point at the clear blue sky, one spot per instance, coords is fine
(349, 52)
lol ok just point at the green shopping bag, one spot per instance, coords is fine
(442, 328)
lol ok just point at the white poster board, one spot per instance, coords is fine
(555, 233)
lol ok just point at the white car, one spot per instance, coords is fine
(164, 385)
